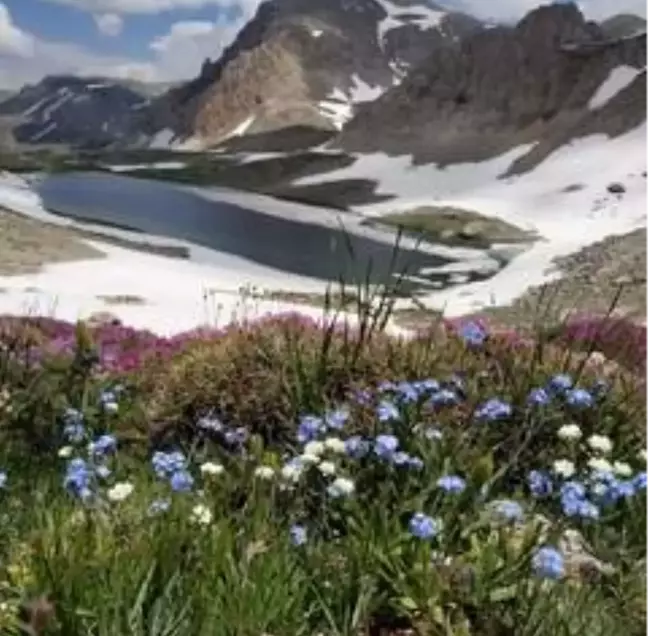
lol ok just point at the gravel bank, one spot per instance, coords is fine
(26, 245)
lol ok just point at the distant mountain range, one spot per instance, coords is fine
(398, 76)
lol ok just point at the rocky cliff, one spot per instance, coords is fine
(552, 77)
(307, 62)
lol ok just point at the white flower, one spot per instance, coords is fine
(622, 468)
(564, 468)
(600, 443)
(308, 459)
(264, 472)
(642, 455)
(120, 491)
(65, 452)
(335, 445)
(600, 465)
(327, 468)
(314, 448)
(341, 487)
(599, 490)
(291, 472)
(201, 514)
(210, 468)
(570, 432)
(111, 407)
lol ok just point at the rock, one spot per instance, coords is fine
(616, 188)
(580, 563)
(472, 230)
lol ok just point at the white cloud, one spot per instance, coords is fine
(151, 6)
(109, 24)
(13, 41)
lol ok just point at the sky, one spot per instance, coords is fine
(163, 40)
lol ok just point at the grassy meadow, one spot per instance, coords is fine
(286, 478)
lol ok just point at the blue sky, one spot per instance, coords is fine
(161, 40)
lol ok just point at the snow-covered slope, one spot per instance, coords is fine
(565, 199)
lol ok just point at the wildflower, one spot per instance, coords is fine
(65, 452)
(165, 464)
(201, 515)
(539, 483)
(387, 411)
(335, 445)
(400, 458)
(538, 397)
(639, 481)
(298, 534)
(573, 489)
(3, 479)
(327, 468)
(407, 392)
(386, 386)
(363, 397)
(108, 401)
(508, 510)
(341, 487)
(236, 437)
(642, 455)
(210, 424)
(292, 470)
(181, 481)
(424, 527)
(159, 506)
(548, 563)
(309, 428)
(600, 465)
(579, 398)
(561, 382)
(570, 432)
(102, 471)
(444, 397)
(74, 432)
(600, 443)
(212, 469)
(307, 459)
(473, 334)
(451, 484)
(416, 463)
(103, 445)
(264, 472)
(78, 478)
(314, 448)
(433, 434)
(622, 468)
(120, 491)
(493, 410)
(356, 447)
(564, 468)
(385, 446)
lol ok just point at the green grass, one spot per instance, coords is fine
(222, 559)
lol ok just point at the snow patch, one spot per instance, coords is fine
(158, 165)
(535, 201)
(45, 131)
(619, 78)
(162, 139)
(316, 33)
(34, 107)
(397, 16)
(241, 129)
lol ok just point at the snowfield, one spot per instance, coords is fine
(564, 199)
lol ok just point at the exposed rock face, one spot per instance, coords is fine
(73, 110)
(535, 83)
(623, 25)
(307, 62)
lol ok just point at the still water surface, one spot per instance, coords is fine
(295, 247)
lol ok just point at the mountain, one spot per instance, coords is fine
(549, 79)
(623, 25)
(72, 110)
(306, 62)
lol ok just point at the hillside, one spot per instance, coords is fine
(551, 78)
(306, 62)
(74, 111)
